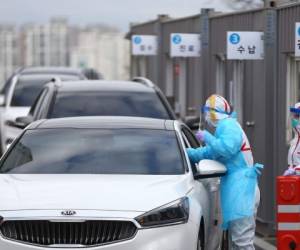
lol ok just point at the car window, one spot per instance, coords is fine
(190, 141)
(40, 100)
(193, 142)
(7, 85)
(34, 105)
(29, 86)
(95, 151)
(185, 140)
(108, 103)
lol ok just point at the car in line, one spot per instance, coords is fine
(20, 91)
(107, 183)
(92, 74)
(58, 99)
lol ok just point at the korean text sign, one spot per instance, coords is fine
(144, 45)
(244, 45)
(185, 45)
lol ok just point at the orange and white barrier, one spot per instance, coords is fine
(288, 212)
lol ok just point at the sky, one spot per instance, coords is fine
(117, 13)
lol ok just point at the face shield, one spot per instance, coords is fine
(295, 117)
(213, 116)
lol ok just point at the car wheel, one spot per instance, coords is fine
(200, 243)
(225, 241)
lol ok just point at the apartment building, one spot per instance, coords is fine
(45, 45)
(8, 51)
(57, 43)
(106, 51)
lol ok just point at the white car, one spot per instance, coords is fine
(108, 183)
(19, 93)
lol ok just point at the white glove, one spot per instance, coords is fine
(289, 171)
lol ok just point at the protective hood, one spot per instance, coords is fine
(216, 108)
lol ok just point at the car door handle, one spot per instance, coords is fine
(250, 123)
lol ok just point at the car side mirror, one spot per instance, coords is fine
(24, 121)
(20, 122)
(192, 122)
(209, 169)
(2, 100)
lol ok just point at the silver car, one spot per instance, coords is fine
(21, 90)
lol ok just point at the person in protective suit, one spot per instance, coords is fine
(294, 151)
(239, 190)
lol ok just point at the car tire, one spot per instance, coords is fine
(225, 241)
(200, 243)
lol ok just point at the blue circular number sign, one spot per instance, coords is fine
(137, 40)
(234, 38)
(177, 39)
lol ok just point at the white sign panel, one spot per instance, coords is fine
(297, 40)
(244, 45)
(144, 45)
(185, 45)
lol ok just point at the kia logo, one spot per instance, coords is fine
(68, 213)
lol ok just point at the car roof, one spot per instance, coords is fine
(101, 85)
(98, 122)
(48, 76)
(51, 70)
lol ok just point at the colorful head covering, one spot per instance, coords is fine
(215, 109)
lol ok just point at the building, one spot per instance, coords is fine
(59, 47)
(8, 52)
(45, 45)
(106, 51)
(59, 44)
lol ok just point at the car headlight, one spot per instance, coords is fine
(173, 213)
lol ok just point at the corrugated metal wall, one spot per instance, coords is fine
(255, 95)
(287, 17)
(193, 65)
(157, 67)
(153, 68)
(264, 93)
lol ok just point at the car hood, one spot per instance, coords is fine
(97, 192)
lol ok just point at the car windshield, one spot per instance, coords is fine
(108, 103)
(95, 151)
(29, 86)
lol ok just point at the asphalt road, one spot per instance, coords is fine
(261, 244)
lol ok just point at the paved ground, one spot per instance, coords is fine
(265, 243)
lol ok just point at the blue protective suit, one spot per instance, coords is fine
(238, 185)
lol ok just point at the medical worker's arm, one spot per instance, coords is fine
(198, 154)
(229, 141)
